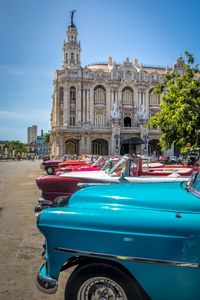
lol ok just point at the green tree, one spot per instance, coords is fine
(46, 138)
(15, 147)
(179, 116)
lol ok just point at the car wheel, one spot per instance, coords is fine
(100, 281)
(50, 170)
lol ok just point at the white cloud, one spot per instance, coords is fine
(25, 116)
(9, 115)
(20, 71)
(13, 125)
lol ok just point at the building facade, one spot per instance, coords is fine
(107, 104)
(31, 134)
(42, 148)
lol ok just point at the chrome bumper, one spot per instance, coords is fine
(42, 204)
(46, 285)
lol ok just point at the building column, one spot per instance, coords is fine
(89, 144)
(111, 102)
(88, 104)
(61, 144)
(57, 106)
(84, 106)
(108, 103)
(66, 107)
(57, 146)
(81, 146)
(136, 107)
(92, 106)
(78, 106)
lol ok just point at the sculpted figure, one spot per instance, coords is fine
(142, 113)
(115, 113)
(72, 16)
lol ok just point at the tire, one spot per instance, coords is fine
(50, 170)
(101, 281)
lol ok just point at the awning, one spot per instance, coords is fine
(132, 141)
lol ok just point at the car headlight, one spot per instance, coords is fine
(37, 215)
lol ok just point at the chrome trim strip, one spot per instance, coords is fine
(129, 258)
(88, 184)
(46, 285)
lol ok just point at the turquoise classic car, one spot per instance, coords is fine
(128, 242)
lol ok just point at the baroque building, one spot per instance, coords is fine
(107, 104)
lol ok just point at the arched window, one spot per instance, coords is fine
(127, 122)
(72, 56)
(61, 95)
(127, 95)
(154, 99)
(77, 58)
(154, 147)
(66, 57)
(99, 94)
(72, 94)
(100, 147)
(70, 147)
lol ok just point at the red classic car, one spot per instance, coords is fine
(50, 165)
(83, 166)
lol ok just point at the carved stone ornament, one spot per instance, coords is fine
(127, 63)
(128, 76)
(100, 73)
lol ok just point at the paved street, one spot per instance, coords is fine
(20, 240)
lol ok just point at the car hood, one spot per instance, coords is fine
(156, 196)
(86, 174)
(52, 161)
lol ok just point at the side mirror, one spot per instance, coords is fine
(123, 174)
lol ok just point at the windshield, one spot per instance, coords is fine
(109, 164)
(64, 158)
(193, 184)
(98, 162)
(120, 166)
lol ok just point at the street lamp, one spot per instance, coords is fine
(77, 138)
(145, 137)
(117, 137)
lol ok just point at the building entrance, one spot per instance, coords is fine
(128, 146)
(100, 147)
(70, 147)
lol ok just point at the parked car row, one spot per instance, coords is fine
(188, 159)
(131, 230)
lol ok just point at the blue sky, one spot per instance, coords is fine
(32, 34)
